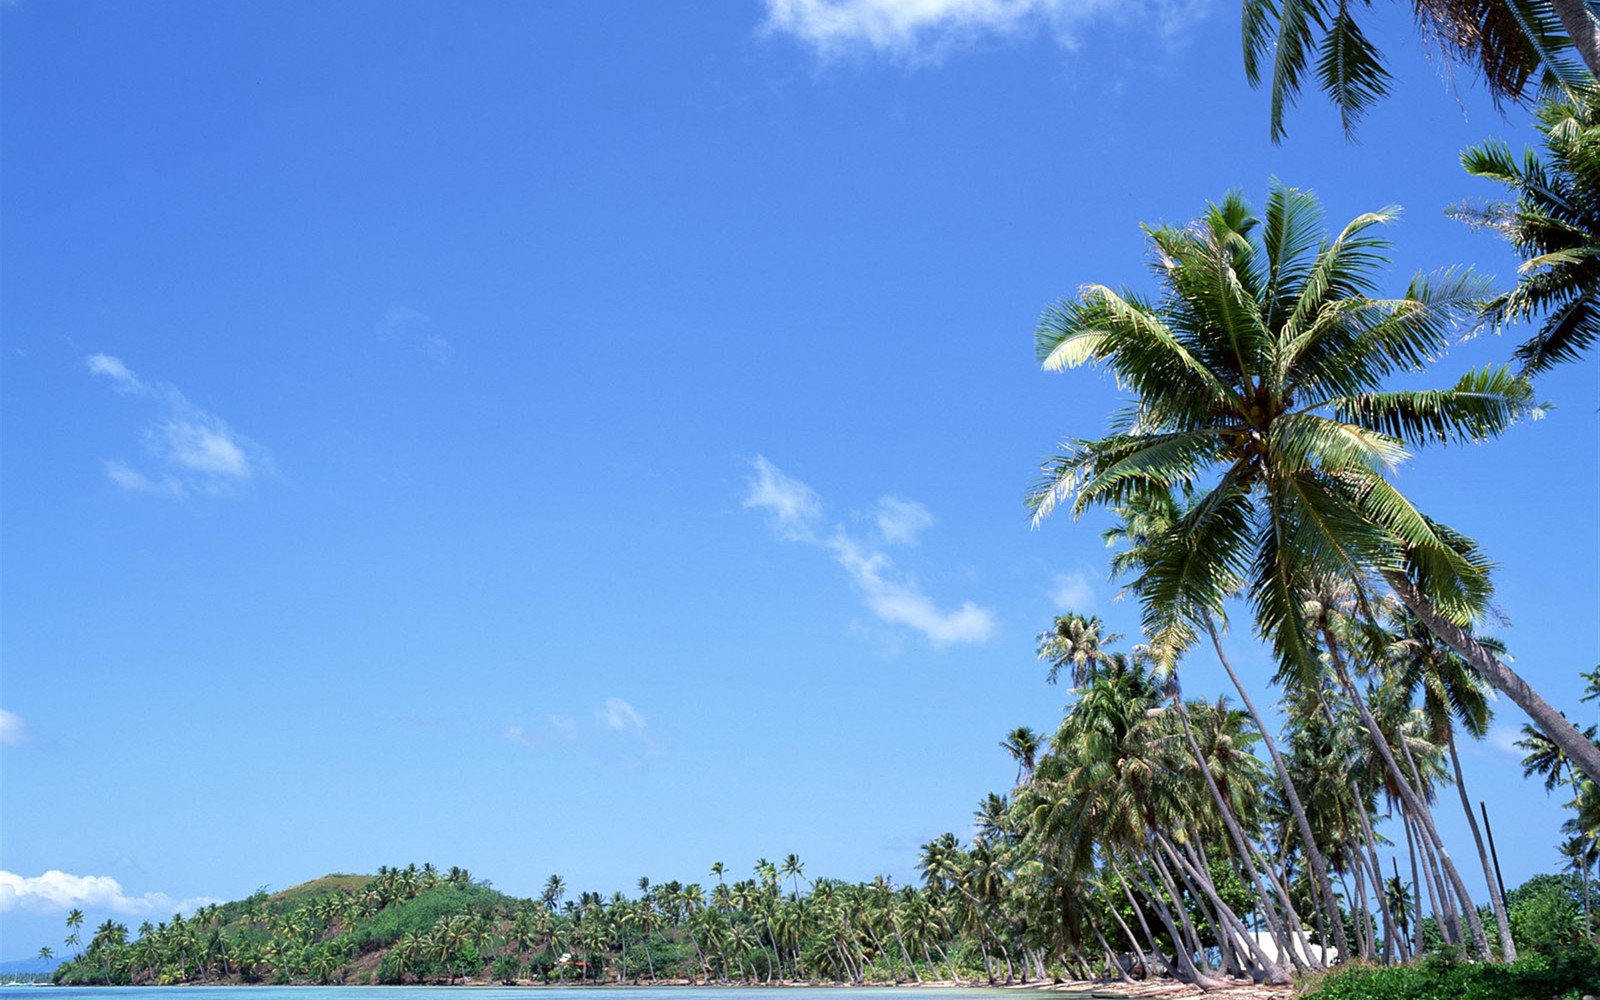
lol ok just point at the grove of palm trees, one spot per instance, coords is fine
(1288, 831)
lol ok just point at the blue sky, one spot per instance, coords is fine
(590, 438)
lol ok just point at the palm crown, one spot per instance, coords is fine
(1259, 375)
(1259, 378)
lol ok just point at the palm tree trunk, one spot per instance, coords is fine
(1416, 891)
(1229, 927)
(1508, 947)
(1186, 970)
(1314, 857)
(1138, 911)
(1246, 852)
(1409, 795)
(1133, 942)
(1474, 921)
(1578, 20)
(1390, 930)
(1111, 957)
(1585, 34)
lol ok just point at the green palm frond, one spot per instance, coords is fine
(1483, 404)
(1350, 69)
(1301, 441)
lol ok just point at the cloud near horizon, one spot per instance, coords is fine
(794, 512)
(924, 30)
(191, 451)
(57, 891)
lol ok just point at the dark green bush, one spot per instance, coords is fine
(1567, 976)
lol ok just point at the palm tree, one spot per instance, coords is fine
(1144, 522)
(794, 869)
(74, 921)
(1259, 379)
(1554, 226)
(1075, 644)
(1517, 46)
(1022, 743)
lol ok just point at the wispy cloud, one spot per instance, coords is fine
(1073, 592)
(189, 450)
(901, 521)
(924, 30)
(795, 511)
(1504, 739)
(794, 508)
(614, 715)
(618, 714)
(14, 731)
(58, 891)
(408, 326)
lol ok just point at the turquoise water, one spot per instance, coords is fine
(494, 992)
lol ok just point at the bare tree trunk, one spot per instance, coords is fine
(1180, 945)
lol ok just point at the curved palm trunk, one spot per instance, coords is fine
(1579, 23)
(1505, 680)
(1186, 970)
(1390, 928)
(1133, 942)
(1508, 947)
(1412, 799)
(1314, 858)
(1138, 911)
(1229, 927)
(1246, 850)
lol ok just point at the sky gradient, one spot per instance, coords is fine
(591, 438)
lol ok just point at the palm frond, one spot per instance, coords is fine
(1483, 404)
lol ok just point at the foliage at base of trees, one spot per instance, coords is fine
(1569, 975)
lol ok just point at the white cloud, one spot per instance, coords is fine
(793, 506)
(105, 364)
(57, 891)
(900, 602)
(1072, 592)
(13, 731)
(192, 451)
(409, 326)
(618, 714)
(1504, 739)
(923, 30)
(796, 511)
(901, 521)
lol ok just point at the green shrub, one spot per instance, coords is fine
(1567, 975)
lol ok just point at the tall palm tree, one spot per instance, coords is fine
(1554, 226)
(1259, 375)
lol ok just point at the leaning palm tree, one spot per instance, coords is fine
(1554, 226)
(1259, 378)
